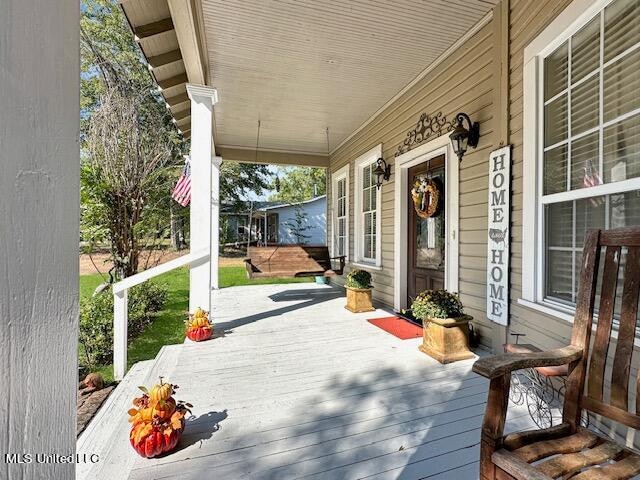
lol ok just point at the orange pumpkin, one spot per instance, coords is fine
(164, 408)
(199, 334)
(150, 442)
(161, 392)
(157, 421)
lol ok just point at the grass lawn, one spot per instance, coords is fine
(168, 326)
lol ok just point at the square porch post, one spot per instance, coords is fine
(203, 99)
(39, 233)
(215, 219)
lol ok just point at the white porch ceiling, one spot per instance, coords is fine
(300, 66)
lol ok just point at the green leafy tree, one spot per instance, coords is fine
(110, 56)
(298, 184)
(125, 181)
(237, 180)
(225, 232)
(299, 225)
(131, 152)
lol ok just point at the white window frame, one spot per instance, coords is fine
(336, 177)
(572, 19)
(358, 228)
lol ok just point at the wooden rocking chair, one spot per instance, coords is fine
(567, 450)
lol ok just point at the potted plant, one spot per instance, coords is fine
(445, 327)
(358, 287)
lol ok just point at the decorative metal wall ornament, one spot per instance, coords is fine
(426, 197)
(427, 128)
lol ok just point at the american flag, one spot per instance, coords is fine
(592, 179)
(182, 191)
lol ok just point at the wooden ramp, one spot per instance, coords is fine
(300, 388)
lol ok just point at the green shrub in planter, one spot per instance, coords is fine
(96, 320)
(437, 304)
(359, 279)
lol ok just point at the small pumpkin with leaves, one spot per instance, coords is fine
(161, 391)
(158, 420)
(199, 327)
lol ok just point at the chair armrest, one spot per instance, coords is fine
(493, 367)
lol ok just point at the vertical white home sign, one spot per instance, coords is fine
(498, 235)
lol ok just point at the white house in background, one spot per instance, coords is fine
(281, 219)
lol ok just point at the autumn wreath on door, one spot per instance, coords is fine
(426, 197)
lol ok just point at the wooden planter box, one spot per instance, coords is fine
(359, 300)
(446, 339)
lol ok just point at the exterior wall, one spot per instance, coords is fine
(483, 78)
(527, 19)
(234, 221)
(316, 211)
(462, 82)
(39, 123)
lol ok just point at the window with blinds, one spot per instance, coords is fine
(340, 228)
(590, 143)
(369, 212)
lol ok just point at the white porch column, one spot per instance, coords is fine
(120, 333)
(215, 219)
(39, 212)
(203, 99)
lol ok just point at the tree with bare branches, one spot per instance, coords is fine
(131, 151)
(127, 157)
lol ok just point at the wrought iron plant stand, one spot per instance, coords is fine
(541, 389)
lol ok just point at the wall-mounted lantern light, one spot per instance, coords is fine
(382, 172)
(462, 137)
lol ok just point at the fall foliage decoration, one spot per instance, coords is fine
(426, 197)
(157, 420)
(199, 327)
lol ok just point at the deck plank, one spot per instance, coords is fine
(298, 387)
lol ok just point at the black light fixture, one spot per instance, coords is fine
(461, 137)
(382, 171)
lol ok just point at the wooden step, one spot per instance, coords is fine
(107, 434)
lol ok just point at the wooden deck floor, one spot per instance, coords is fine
(300, 388)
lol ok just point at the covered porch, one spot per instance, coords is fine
(296, 386)
(292, 84)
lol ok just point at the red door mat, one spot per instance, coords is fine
(397, 326)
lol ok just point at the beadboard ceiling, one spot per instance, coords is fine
(300, 66)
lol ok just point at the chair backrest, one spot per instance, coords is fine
(593, 386)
